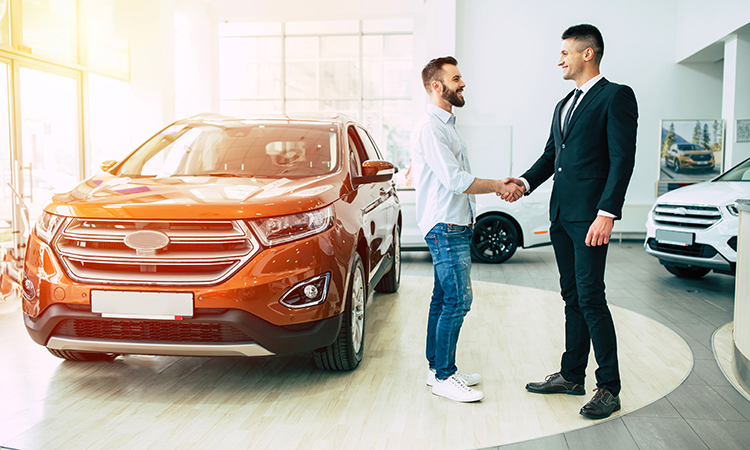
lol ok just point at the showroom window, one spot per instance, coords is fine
(59, 61)
(360, 68)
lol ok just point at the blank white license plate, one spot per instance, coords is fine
(142, 305)
(702, 162)
(675, 237)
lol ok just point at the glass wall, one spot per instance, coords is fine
(6, 162)
(50, 141)
(50, 28)
(47, 50)
(359, 68)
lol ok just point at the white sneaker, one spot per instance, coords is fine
(470, 379)
(454, 388)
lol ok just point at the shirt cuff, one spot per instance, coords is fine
(525, 184)
(606, 214)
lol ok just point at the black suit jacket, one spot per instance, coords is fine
(593, 162)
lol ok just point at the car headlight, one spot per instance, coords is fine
(732, 208)
(277, 230)
(47, 225)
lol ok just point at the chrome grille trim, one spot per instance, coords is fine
(199, 252)
(692, 217)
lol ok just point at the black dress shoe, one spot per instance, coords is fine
(602, 405)
(555, 384)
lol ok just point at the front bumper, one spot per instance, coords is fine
(230, 332)
(697, 255)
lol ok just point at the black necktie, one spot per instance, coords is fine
(570, 110)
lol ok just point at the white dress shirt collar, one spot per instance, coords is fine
(441, 114)
(589, 84)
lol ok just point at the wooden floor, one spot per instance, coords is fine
(512, 335)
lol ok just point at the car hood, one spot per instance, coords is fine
(712, 193)
(184, 198)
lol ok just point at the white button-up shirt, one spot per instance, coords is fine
(584, 90)
(440, 166)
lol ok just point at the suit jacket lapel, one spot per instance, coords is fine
(557, 120)
(585, 101)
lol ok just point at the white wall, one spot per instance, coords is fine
(149, 25)
(196, 59)
(701, 24)
(507, 52)
(736, 104)
(508, 55)
(304, 10)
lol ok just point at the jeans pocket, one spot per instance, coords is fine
(455, 230)
(432, 243)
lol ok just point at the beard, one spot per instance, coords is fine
(452, 97)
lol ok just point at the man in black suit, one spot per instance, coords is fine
(590, 153)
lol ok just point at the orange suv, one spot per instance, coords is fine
(220, 236)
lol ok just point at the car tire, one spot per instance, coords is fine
(494, 240)
(687, 272)
(346, 351)
(392, 279)
(72, 355)
(676, 166)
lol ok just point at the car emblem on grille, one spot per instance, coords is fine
(146, 242)
(681, 211)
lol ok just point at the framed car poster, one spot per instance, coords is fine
(690, 151)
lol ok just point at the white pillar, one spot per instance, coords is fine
(736, 96)
(741, 333)
(150, 27)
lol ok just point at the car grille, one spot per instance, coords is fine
(150, 330)
(695, 250)
(692, 217)
(702, 157)
(198, 253)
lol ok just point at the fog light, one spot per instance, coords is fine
(310, 292)
(29, 290)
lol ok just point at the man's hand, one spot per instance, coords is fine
(511, 189)
(599, 231)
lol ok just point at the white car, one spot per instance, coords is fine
(693, 230)
(501, 227)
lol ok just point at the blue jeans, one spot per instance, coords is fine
(451, 294)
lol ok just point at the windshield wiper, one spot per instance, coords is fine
(223, 174)
(218, 174)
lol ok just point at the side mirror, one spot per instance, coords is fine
(108, 164)
(375, 171)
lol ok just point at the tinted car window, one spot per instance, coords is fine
(355, 163)
(265, 151)
(358, 153)
(372, 151)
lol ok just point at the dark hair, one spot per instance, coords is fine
(434, 70)
(589, 36)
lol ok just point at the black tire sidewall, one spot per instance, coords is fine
(355, 358)
(508, 226)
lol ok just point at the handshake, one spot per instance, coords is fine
(510, 189)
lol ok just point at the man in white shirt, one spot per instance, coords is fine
(446, 211)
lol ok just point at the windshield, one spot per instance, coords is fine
(689, 147)
(265, 151)
(740, 172)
